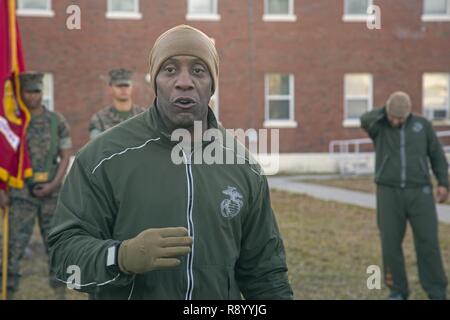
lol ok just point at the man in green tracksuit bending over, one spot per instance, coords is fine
(404, 144)
(134, 223)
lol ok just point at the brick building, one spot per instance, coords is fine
(308, 67)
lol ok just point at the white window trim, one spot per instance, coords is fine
(50, 96)
(288, 17)
(280, 124)
(358, 18)
(440, 123)
(350, 123)
(426, 17)
(213, 16)
(277, 123)
(215, 96)
(44, 13)
(203, 17)
(437, 122)
(35, 13)
(432, 18)
(346, 17)
(124, 15)
(279, 18)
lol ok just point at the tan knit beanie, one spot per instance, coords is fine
(399, 105)
(187, 41)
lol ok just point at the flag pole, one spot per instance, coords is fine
(14, 63)
(5, 252)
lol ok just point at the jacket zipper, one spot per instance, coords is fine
(402, 157)
(190, 204)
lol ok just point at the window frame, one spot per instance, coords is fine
(215, 98)
(27, 12)
(348, 17)
(424, 108)
(214, 16)
(348, 122)
(123, 15)
(49, 96)
(427, 17)
(288, 17)
(277, 123)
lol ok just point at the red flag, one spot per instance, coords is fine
(15, 164)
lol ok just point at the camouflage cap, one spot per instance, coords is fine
(32, 81)
(120, 77)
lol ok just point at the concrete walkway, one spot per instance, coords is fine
(361, 199)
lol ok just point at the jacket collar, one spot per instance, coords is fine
(156, 125)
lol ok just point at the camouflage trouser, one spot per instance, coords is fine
(22, 215)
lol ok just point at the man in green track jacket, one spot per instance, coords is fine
(133, 224)
(404, 144)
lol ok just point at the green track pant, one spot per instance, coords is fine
(396, 206)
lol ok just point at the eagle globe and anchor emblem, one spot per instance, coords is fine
(231, 207)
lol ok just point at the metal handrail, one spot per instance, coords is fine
(346, 150)
(344, 145)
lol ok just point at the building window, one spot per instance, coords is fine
(202, 10)
(436, 10)
(279, 102)
(35, 8)
(214, 103)
(436, 88)
(279, 10)
(47, 94)
(356, 10)
(358, 97)
(123, 9)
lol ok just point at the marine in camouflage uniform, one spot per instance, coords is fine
(122, 109)
(48, 138)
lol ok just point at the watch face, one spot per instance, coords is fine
(111, 258)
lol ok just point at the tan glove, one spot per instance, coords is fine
(154, 249)
(441, 194)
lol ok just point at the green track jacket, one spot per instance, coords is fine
(403, 154)
(124, 182)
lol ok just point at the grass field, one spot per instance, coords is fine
(328, 245)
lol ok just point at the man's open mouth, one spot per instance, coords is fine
(184, 102)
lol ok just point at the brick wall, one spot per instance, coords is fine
(319, 48)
